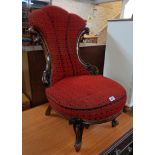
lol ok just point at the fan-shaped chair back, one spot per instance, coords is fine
(60, 31)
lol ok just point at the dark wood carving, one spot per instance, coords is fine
(37, 38)
(78, 126)
(91, 68)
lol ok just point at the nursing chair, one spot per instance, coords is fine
(73, 87)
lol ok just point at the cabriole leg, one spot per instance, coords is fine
(78, 126)
(48, 110)
(78, 129)
(114, 122)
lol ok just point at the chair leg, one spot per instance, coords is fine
(48, 110)
(78, 127)
(114, 122)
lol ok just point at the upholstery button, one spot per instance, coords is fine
(111, 98)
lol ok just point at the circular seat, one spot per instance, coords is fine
(87, 97)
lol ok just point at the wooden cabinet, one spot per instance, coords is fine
(25, 102)
(34, 65)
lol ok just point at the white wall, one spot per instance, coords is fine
(119, 54)
(79, 7)
(127, 9)
(102, 1)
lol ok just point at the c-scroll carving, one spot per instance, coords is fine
(91, 68)
(37, 39)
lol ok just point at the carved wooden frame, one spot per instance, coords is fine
(37, 39)
(78, 124)
(91, 68)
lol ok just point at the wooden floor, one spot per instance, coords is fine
(51, 135)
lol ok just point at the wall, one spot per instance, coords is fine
(127, 9)
(81, 8)
(96, 15)
(102, 1)
(119, 54)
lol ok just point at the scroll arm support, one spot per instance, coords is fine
(38, 39)
(46, 73)
(91, 68)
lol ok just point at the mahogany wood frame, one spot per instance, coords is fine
(78, 124)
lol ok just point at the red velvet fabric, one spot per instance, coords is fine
(60, 30)
(74, 93)
(87, 97)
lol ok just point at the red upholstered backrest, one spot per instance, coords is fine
(60, 30)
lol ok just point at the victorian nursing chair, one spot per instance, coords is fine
(73, 87)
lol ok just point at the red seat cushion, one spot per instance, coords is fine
(88, 97)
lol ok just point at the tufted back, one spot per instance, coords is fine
(60, 30)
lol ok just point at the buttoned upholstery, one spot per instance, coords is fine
(60, 30)
(87, 97)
